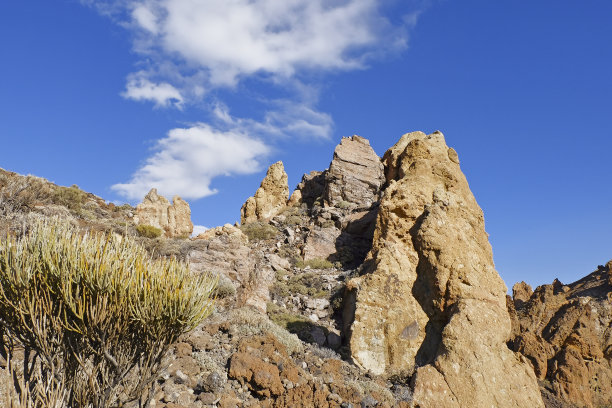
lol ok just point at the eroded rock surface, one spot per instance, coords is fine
(174, 219)
(566, 333)
(430, 301)
(227, 254)
(355, 175)
(270, 198)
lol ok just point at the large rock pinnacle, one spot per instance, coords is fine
(270, 198)
(430, 303)
(174, 219)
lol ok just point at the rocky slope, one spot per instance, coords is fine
(566, 333)
(372, 285)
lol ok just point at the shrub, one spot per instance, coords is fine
(70, 197)
(94, 315)
(225, 289)
(344, 205)
(257, 231)
(148, 231)
(315, 263)
(308, 284)
(293, 220)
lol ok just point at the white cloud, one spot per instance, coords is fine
(163, 94)
(242, 37)
(198, 229)
(288, 119)
(233, 39)
(188, 159)
(145, 18)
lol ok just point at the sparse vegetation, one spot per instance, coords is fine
(293, 220)
(71, 197)
(327, 224)
(307, 284)
(248, 322)
(293, 323)
(315, 263)
(148, 231)
(344, 205)
(225, 289)
(258, 231)
(94, 315)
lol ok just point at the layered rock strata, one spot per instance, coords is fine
(173, 219)
(355, 174)
(429, 303)
(566, 333)
(270, 198)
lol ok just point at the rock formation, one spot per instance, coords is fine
(309, 189)
(429, 301)
(227, 254)
(566, 333)
(174, 219)
(355, 174)
(269, 199)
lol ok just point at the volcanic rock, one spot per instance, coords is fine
(566, 332)
(355, 174)
(226, 253)
(309, 189)
(269, 199)
(429, 301)
(174, 219)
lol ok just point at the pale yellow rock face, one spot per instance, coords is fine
(270, 198)
(430, 298)
(174, 219)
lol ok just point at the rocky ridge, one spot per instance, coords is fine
(566, 333)
(326, 299)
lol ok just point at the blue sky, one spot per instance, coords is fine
(199, 97)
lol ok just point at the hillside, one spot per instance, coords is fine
(372, 284)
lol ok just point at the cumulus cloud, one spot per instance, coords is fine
(186, 161)
(233, 39)
(163, 94)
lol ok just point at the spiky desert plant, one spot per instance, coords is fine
(94, 314)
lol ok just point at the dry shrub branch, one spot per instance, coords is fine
(94, 315)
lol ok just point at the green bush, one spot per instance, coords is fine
(257, 231)
(148, 231)
(94, 315)
(71, 197)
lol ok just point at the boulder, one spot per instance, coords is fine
(429, 301)
(355, 174)
(269, 199)
(173, 219)
(320, 243)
